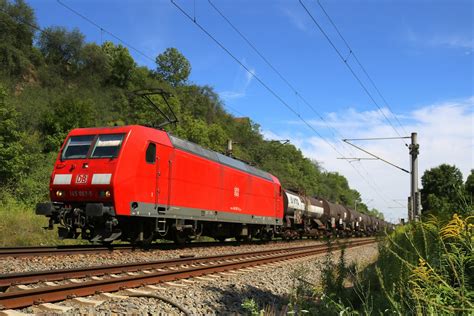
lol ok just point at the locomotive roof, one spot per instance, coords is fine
(184, 145)
(217, 157)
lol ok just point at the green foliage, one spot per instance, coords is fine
(173, 67)
(60, 46)
(435, 271)
(425, 268)
(15, 214)
(120, 63)
(16, 39)
(443, 192)
(251, 307)
(12, 162)
(66, 114)
(469, 186)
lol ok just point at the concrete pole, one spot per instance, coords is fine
(414, 151)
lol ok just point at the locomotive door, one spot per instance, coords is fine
(153, 171)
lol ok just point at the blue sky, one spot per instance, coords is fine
(420, 54)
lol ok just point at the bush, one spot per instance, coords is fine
(425, 268)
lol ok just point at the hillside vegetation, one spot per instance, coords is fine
(53, 81)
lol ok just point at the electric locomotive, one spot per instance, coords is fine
(138, 183)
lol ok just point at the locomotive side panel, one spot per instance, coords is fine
(195, 182)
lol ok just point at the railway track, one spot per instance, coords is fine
(58, 250)
(57, 285)
(19, 252)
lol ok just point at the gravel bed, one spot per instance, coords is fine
(27, 264)
(224, 296)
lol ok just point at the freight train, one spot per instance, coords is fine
(138, 184)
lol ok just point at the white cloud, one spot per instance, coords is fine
(445, 134)
(242, 81)
(295, 17)
(453, 41)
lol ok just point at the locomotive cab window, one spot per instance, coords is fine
(77, 147)
(150, 155)
(107, 146)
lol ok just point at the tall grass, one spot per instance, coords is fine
(425, 268)
(20, 226)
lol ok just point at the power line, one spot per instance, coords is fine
(350, 68)
(376, 138)
(103, 30)
(283, 78)
(379, 158)
(269, 90)
(269, 64)
(361, 66)
(272, 92)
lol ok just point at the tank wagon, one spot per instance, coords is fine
(138, 184)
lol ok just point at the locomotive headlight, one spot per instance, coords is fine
(59, 193)
(105, 194)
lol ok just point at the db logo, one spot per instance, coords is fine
(81, 179)
(236, 192)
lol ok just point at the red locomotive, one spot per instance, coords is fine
(138, 184)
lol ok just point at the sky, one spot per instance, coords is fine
(419, 54)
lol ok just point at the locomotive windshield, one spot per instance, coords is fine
(78, 146)
(104, 146)
(107, 146)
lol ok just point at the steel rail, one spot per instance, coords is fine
(10, 279)
(19, 252)
(25, 298)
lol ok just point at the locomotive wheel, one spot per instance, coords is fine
(180, 238)
(248, 237)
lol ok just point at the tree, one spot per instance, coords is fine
(16, 37)
(67, 113)
(59, 46)
(469, 185)
(173, 67)
(11, 149)
(443, 191)
(120, 62)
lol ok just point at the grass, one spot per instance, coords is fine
(425, 268)
(20, 226)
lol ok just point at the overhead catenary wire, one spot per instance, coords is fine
(269, 64)
(278, 97)
(103, 30)
(351, 70)
(259, 80)
(282, 77)
(360, 65)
